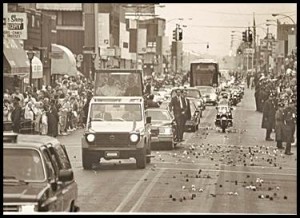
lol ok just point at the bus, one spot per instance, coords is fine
(204, 72)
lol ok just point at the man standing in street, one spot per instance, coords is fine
(177, 106)
(16, 115)
(268, 119)
(289, 129)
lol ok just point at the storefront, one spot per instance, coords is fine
(15, 64)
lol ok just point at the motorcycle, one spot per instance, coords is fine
(224, 117)
(234, 100)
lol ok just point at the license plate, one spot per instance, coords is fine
(112, 154)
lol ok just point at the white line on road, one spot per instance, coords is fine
(132, 192)
(142, 198)
(204, 164)
(227, 171)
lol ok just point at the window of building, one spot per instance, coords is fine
(69, 18)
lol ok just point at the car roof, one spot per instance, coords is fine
(26, 141)
(205, 87)
(185, 88)
(156, 109)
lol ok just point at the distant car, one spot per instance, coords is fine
(163, 127)
(209, 94)
(192, 93)
(37, 175)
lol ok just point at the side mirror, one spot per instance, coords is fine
(65, 175)
(148, 120)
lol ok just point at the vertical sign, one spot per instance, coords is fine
(103, 30)
(124, 42)
(291, 43)
(17, 25)
(142, 41)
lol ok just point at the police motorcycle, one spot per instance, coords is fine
(224, 118)
(234, 98)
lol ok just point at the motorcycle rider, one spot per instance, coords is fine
(224, 101)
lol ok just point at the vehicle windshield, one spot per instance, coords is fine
(23, 164)
(115, 112)
(190, 93)
(118, 84)
(207, 90)
(159, 115)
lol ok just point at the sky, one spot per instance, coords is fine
(213, 23)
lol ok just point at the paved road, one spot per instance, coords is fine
(211, 172)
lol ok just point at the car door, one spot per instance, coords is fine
(69, 188)
(55, 197)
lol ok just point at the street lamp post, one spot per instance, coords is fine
(30, 55)
(284, 15)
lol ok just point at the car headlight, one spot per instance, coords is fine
(134, 137)
(30, 208)
(90, 137)
(165, 130)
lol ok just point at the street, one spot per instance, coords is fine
(210, 172)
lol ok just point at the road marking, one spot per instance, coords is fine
(142, 198)
(203, 164)
(227, 171)
(132, 192)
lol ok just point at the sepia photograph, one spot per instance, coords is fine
(150, 108)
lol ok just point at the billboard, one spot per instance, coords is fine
(16, 25)
(103, 30)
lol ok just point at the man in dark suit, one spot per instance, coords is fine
(177, 106)
(16, 115)
(188, 114)
(268, 119)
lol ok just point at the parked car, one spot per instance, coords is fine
(193, 124)
(37, 175)
(163, 127)
(209, 94)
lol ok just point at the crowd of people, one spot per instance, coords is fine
(63, 108)
(52, 111)
(276, 98)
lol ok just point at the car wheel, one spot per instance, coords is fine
(88, 160)
(148, 159)
(141, 158)
(169, 145)
(193, 128)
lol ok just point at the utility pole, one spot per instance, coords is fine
(96, 49)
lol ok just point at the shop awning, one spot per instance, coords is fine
(37, 68)
(16, 57)
(62, 61)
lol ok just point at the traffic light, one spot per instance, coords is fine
(250, 37)
(180, 34)
(175, 34)
(244, 36)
